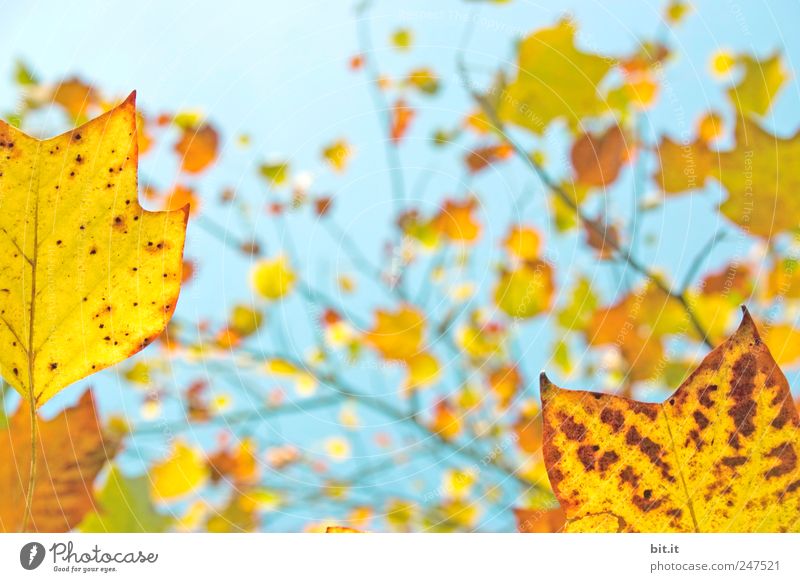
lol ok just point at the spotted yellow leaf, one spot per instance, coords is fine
(719, 455)
(87, 276)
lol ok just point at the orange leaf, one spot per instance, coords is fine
(198, 148)
(76, 97)
(71, 451)
(402, 114)
(446, 421)
(540, 520)
(456, 221)
(480, 158)
(597, 159)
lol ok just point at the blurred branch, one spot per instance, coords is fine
(699, 259)
(235, 418)
(381, 104)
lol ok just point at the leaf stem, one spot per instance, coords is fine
(32, 472)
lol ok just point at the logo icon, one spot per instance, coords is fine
(31, 555)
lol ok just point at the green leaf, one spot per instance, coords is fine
(124, 506)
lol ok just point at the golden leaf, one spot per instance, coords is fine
(179, 474)
(397, 335)
(719, 455)
(70, 453)
(273, 278)
(554, 80)
(526, 291)
(423, 370)
(761, 82)
(523, 242)
(760, 179)
(87, 276)
(755, 174)
(338, 154)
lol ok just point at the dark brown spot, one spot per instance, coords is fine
(628, 475)
(614, 418)
(586, 456)
(744, 409)
(700, 419)
(574, 431)
(648, 410)
(705, 395)
(608, 459)
(734, 461)
(788, 460)
(645, 504)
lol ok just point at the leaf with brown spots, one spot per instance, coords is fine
(719, 455)
(71, 451)
(87, 276)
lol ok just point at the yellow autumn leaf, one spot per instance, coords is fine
(423, 370)
(759, 186)
(397, 335)
(81, 258)
(554, 80)
(784, 280)
(719, 455)
(338, 154)
(523, 242)
(761, 81)
(402, 39)
(338, 448)
(783, 342)
(758, 175)
(275, 173)
(179, 474)
(273, 278)
(526, 291)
